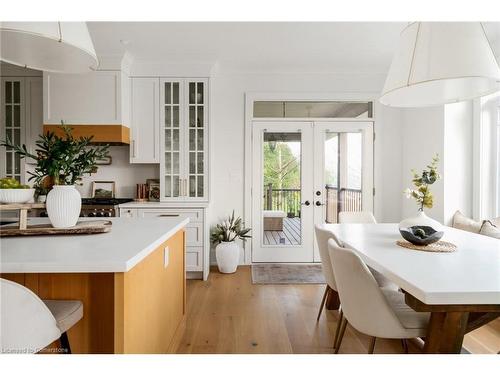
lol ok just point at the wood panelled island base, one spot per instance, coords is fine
(138, 311)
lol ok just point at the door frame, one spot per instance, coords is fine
(251, 97)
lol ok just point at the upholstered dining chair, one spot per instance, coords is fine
(366, 217)
(359, 217)
(371, 310)
(29, 324)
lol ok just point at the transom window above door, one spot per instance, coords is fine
(312, 109)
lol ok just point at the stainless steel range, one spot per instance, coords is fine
(97, 207)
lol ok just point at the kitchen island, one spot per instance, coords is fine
(131, 282)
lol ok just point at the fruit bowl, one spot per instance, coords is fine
(421, 235)
(16, 195)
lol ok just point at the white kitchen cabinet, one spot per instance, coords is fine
(34, 112)
(144, 112)
(21, 109)
(184, 139)
(197, 241)
(93, 98)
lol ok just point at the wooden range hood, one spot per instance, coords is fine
(115, 135)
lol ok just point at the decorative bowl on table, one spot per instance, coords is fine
(421, 235)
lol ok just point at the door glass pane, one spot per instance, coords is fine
(175, 116)
(192, 140)
(8, 92)
(192, 116)
(168, 93)
(175, 93)
(168, 140)
(199, 96)
(172, 139)
(192, 162)
(200, 139)
(17, 92)
(200, 186)
(343, 174)
(281, 201)
(199, 121)
(175, 140)
(175, 163)
(192, 186)
(200, 163)
(192, 93)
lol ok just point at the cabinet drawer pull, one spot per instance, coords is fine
(169, 215)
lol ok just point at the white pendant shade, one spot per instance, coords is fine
(441, 62)
(64, 47)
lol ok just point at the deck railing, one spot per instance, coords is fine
(288, 201)
(343, 200)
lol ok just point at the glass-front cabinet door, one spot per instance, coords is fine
(12, 126)
(184, 141)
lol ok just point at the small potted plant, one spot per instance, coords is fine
(423, 195)
(61, 162)
(227, 251)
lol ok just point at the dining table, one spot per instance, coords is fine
(460, 289)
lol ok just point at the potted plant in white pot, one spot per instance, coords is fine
(227, 251)
(423, 195)
(61, 162)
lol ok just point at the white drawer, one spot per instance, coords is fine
(193, 214)
(128, 212)
(194, 234)
(194, 258)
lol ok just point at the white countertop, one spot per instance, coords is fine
(147, 204)
(470, 275)
(129, 241)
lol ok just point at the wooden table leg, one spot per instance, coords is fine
(445, 333)
(332, 300)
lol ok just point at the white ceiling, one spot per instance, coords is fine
(291, 46)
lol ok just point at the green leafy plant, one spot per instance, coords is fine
(230, 230)
(63, 159)
(422, 181)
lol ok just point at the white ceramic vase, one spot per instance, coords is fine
(228, 256)
(421, 219)
(63, 206)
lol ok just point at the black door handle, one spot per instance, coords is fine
(318, 203)
(306, 203)
(318, 193)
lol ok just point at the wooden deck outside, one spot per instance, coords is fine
(290, 235)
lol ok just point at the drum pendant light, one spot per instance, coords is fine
(441, 62)
(64, 47)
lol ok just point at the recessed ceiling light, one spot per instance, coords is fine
(125, 42)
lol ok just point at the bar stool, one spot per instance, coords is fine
(29, 324)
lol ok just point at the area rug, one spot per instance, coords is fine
(287, 274)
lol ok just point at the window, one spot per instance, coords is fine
(312, 109)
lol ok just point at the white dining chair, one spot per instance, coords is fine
(28, 324)
(366, 217)
(357, 217)
(371, 310)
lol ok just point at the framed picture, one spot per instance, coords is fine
(153, 190)
(103, 189)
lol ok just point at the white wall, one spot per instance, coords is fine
(422, 137)
(125, 175)
(457, 162)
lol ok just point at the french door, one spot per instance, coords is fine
(305, 173)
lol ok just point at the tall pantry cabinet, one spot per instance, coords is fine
(170, 126)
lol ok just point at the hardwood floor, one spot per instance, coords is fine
(228, 314)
